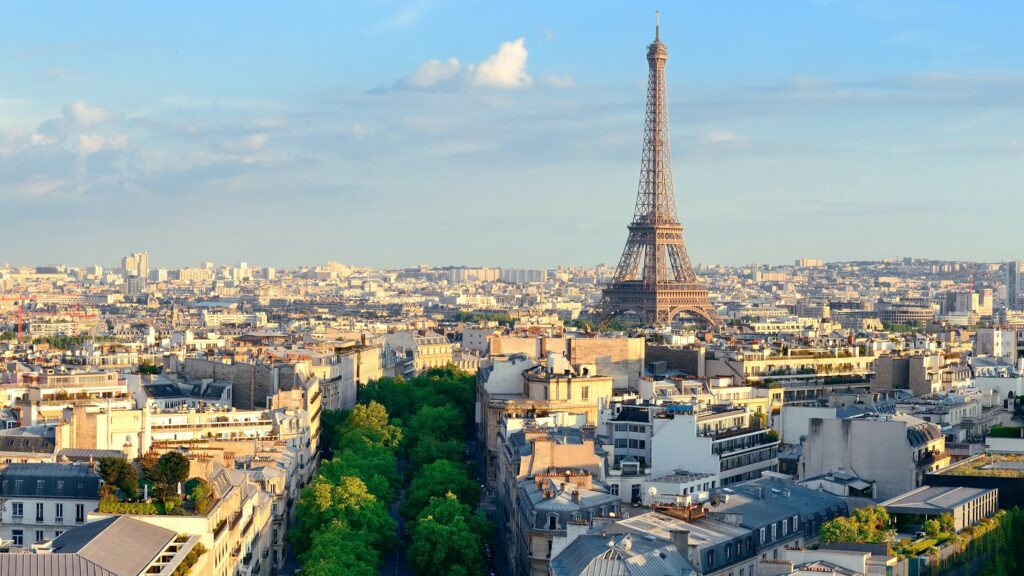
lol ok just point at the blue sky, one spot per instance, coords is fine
(483, 133)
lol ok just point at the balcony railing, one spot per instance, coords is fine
(214, 424)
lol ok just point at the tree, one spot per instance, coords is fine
(438, 479)
(369, 423)
(434, 421)
(337, 551)
(201, 496)
(373, 464)
(447, 386)
(931, 527)
(869, 524)
(147, 368)
(395, 394)
(170, 470)
(431, 449)
(117, 472)
(447, 539)
(946, 522)
(840, 529)
(346, 504)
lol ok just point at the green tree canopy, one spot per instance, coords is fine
(201, 496)
(431, 449)
(436, 422)
(345, 504)
(395, 394)
(869, 524)
(171, 469)
(369, 423)
(438, 479)
(338, 551)
(448, 539)
(120, 473)
(375, 465)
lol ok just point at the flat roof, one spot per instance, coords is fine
(996, 465)
(935, 499)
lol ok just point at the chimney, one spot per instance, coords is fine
(576, 496)
(681, 538)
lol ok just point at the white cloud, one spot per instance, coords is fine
(557, 81)
(82, 115)
(248, 143)
(359, 131)
(93, 143)
(723, 137)
(433, 72)
(61, 73)
(506, 68)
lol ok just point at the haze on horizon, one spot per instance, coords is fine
(392, 133)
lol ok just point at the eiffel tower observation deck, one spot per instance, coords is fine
(654, 278)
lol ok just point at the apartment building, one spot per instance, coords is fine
(236, 529)
(42, 501)
(515, 385)
(100, 548)
(894, 452)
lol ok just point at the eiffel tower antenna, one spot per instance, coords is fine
(655, 278)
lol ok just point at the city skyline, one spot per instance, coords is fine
(863, 128)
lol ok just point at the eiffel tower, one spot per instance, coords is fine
(655, 278)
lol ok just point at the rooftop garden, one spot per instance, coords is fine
(874, 525)
(1007, 432)
(989, 465)
(155, 492)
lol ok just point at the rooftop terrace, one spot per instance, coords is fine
(994, 465)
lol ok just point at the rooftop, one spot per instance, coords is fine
(934, 499)
(996, 465)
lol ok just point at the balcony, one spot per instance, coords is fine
(213, 424)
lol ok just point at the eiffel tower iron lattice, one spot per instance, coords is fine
(655, 278)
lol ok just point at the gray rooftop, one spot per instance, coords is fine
(49, 481)
(620, 555)
(114, 546)
(49, 565)
(103, 543)
(934, 499)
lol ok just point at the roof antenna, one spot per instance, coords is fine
(657, 24)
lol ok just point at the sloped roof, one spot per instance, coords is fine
(104, 543)
(50, 481)
(620, 555)
(49, 565)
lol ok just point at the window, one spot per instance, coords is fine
(711, 558)
(785, 526)
(586, 392)
(552, 522)
(775, 531)
(39, 536)
(19, 537)
(58, 512)
(39, 511)
(17, 509)
(614, 489)
(57, 533)
(79, 513)
(796, 523)
(762, 535)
